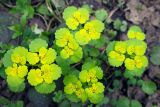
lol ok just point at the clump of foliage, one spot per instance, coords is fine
(37, 64)
(86, 85)
(76, 56)
(129, 52)
(80, 31)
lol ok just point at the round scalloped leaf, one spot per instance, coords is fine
(60, 33)
(45, 88)
(98, 25)
(135, 28)
(155, 55)
(15, 83)
(115, 62)
(110, 46)
(83, 76)
(101, 14)
(149, 87)
(20, 51)
(72, 97)
(99, 72)
(135, 103)
(69, 79)
(7, 58)
(82, 37)
(123, 102)
(19, 88)
(78, 54)
(96, 98)
(49, 57)
(57, 71)
(135, 72)
(68, 12)
(36, 44)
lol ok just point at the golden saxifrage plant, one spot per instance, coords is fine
(38, 65)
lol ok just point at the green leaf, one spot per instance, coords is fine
(65, 66)
(58, 96)
(123, 102)
(2, 73)
(68, 12)
(87, 7)
(17, 28)
(104, 101)
(15, 84)
(4, 101)
(132, 81)
(117, 24)
(69, 79)
(155, 55)
(16, 104)
(134, 73)
(149, 87)
(110, 46)
(116, 84)
(72, 98)
(42, 9)
(88, 65)
(36, 44)
(135, 103)
(101, 14)
(65, 103)
(100, 43)
(7, 58)
(94, 52)
(45, 88)
(120, 25)
(96, 98)
(77, 56)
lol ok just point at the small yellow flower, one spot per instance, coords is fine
(16, 58)
(11, 71)
(22, 71)
(112, 54)
(130, 49)
(140, 50)
(120, 57)
(130, 64)
(115, 55)
(32, 58)
(91, 76)
(140, 35)
(69, 88)
(35, 77)
(131, 34)
(42, 52)
(120, 47)
(138, 61)
(72, 23)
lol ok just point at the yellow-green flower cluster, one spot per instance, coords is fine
(65, 40)
(37, 64)
(74, 17)
(135, 32)
(17, 71)
(79, 31)
(91, 31)
(87, 86)
(130, 52)
(47, 72)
